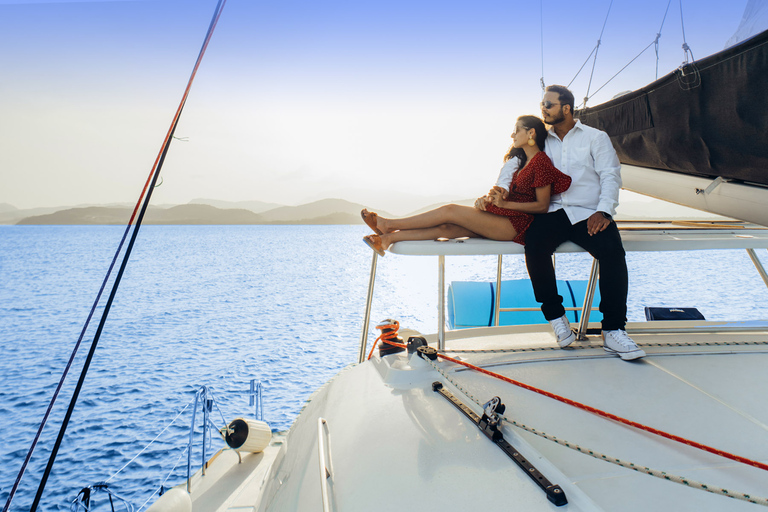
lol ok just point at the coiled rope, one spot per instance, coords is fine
(142, 203)
(388, 334)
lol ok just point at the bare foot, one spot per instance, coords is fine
(386, 239)
(384, 224)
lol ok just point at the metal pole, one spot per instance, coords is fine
(367, 319)
(441, 302)
(205, 426)
(588, 297)
(758, 265)
(323, 455)
(497, 301)
(191, 439)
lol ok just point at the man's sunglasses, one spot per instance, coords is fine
(548, 104)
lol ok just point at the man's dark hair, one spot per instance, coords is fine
(565, 96)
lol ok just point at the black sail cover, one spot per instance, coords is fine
(708, 118)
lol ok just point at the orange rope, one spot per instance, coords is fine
(387, 337)
(608, 415)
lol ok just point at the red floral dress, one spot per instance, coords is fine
(539, 172)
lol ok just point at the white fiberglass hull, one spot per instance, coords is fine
(735, 200)
(392, 443)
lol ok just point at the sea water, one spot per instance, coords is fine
(218, 306)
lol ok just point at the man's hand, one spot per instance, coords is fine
(597, 223)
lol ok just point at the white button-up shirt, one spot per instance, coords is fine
(587, 156)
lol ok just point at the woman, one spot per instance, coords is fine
(500, 215)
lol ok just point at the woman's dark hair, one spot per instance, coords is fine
(541, 135)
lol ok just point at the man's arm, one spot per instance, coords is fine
(506, 172)
(608, 169)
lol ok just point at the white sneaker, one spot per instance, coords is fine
(565, 336)
(620, 344)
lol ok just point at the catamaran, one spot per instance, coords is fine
(491, 413)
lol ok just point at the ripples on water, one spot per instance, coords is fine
(221, 305)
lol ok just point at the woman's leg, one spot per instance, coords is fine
(441, 231)
(449, 221)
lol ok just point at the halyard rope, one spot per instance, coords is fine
(144, 202)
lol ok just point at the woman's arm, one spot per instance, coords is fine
(540, 205)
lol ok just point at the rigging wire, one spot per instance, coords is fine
(597, 47)
(541, 22)
(582, 66)
(150, 443)
(618, 72)
(144, 199)
(658, 36)
(68, 366)
(686, 48)
(162, 485)
(655, 43)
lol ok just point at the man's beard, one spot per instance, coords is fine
(556, 119)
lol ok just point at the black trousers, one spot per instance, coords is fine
(547, 232)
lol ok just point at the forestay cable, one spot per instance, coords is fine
(144, 199)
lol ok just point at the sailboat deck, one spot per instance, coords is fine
(698, 386)
(413, 450)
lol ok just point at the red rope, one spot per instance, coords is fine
(608, 415)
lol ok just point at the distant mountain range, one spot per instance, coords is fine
(324, 211)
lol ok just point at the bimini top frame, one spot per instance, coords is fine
(645, 236)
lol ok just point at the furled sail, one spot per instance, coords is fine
(705, 121)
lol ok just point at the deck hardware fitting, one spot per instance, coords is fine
(488, 424)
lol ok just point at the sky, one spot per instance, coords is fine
(373, 102)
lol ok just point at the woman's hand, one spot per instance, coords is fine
(501, 191)
(481, 203)
(498, 196)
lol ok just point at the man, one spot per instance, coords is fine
(583, 215)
